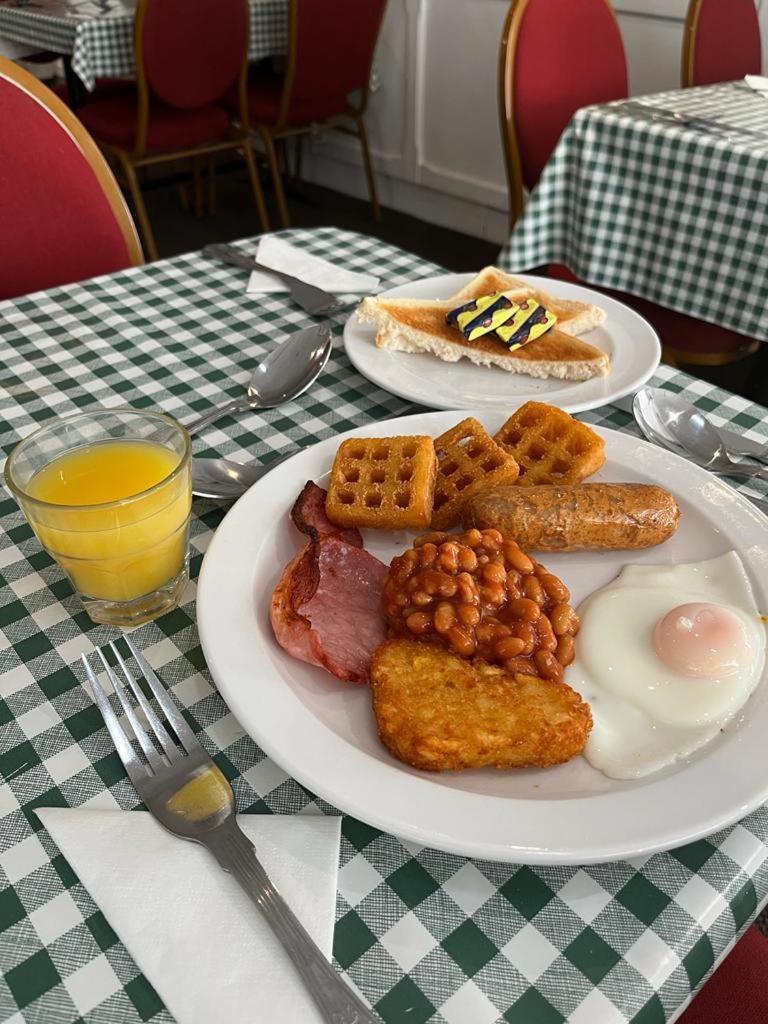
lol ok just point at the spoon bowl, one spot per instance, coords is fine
(290, 368)
(225, 480)
(284, 374)
(673, 423)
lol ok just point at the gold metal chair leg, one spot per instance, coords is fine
(271, 155)
(258, 194)
(362, 131)
(141, 211)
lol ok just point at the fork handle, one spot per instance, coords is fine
(336, 1001)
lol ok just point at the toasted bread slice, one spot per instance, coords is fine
(439, 712)
(413, 325)
(574, 317)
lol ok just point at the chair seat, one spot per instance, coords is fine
(264, 94)
(112, 119)
(677, 331)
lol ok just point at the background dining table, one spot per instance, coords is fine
(663, 208)
(97, 35)
(424, 935)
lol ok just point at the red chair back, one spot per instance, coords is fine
(62, 216)
(722, 41)
(565, 56)
(191, 51)
(332, 46)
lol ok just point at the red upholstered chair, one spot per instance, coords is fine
(737, 993)
(584, 64)
(189, 56)
(330, 53)
(62, 215)
(721, 41)
(556, 56)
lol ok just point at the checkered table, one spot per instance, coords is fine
(425, 936)
(670, 213)
(98, 34)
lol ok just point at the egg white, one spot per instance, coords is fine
(647, 716)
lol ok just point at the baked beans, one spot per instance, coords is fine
(478, 594)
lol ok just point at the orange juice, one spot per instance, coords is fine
(115, 516)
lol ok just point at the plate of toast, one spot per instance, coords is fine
(407, 340)
(507, 635)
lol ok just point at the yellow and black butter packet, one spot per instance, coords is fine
(482, 316)
(529, 321)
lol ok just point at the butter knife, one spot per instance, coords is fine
(678, 117)
(312, 300)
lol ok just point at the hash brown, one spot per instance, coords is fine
(438, 712)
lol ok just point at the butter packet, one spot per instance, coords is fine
(482, 316)
(527, 323)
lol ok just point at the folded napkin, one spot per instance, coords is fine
(193, 932)
(274, 252)
(757, 82)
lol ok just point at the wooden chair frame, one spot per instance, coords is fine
(129, 160)
(77, 132)
(282, 130)
(506, 86)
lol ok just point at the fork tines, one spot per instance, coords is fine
(158, 745)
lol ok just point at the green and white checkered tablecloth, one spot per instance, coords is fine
(98, 34)
(424, 935)
(666, 212)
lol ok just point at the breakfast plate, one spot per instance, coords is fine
(322, 731)
(627, 337)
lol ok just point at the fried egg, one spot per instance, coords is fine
(666, 656)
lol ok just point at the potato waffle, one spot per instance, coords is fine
(550, 446)
(386, 483)
(468, 461)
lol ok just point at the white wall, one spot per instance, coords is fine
(433, 118)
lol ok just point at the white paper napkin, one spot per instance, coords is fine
(190, 928)
(757, 82)
(274, 252)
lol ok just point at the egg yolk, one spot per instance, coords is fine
(704, 641)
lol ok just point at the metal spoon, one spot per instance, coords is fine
(677, 425)
(283, 375)
(225, 480)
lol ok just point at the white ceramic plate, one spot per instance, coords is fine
(323, 733)
(631, 342)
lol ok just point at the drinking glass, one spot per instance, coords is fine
(126, 558)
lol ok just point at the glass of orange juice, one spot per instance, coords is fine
(108, 494)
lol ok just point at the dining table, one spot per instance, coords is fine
(96, 36)
(424, 935)
(662, 197)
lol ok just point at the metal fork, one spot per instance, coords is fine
(312, 300)
(190, 797)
